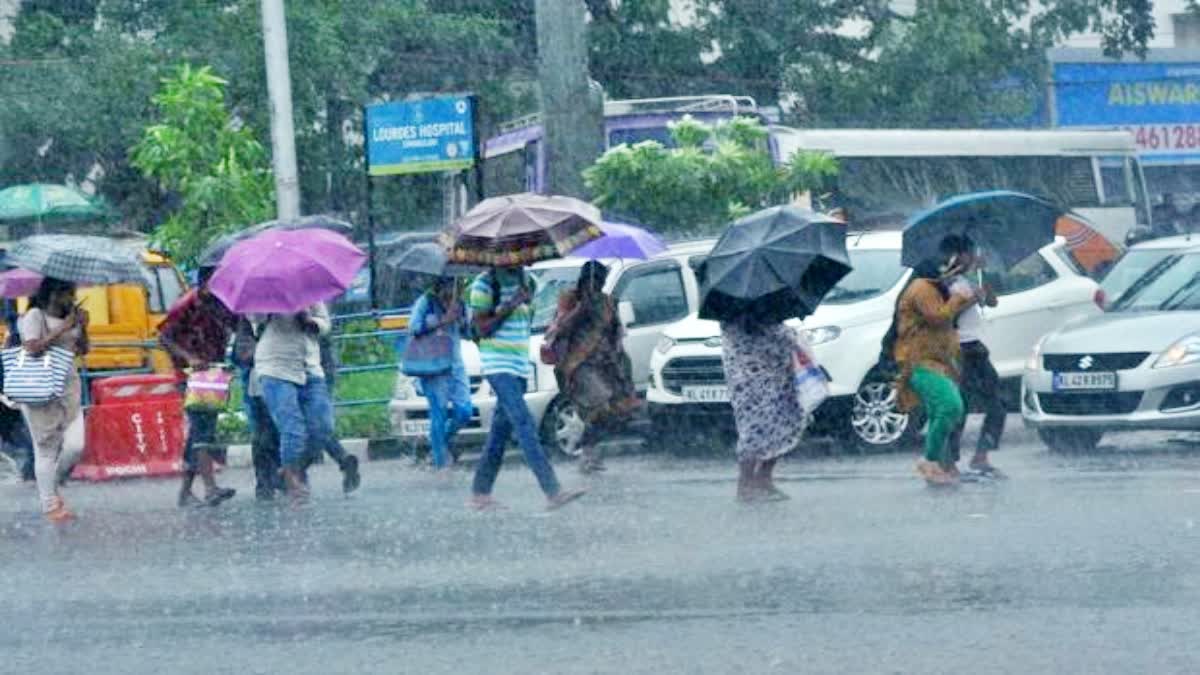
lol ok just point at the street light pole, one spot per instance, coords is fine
(279, 88)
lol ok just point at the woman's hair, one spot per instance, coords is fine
(593, 273)
(50, 286)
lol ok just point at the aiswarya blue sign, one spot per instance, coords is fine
(1120, 94)
(421, 136)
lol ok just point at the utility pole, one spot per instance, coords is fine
(279, 88)
(572, 108)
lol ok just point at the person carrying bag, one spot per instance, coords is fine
(432, 355)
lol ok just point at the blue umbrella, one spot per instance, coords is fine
(1011, 225)
(621, 241)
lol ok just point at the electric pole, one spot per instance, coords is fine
(572, 109)
(279, 88)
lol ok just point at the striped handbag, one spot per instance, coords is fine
(36, 380)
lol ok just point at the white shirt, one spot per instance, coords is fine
(970, 322)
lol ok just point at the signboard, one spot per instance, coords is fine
(1158, 102)
(420, 136)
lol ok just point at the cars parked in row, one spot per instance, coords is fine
(1136, 367)
(1040, 294)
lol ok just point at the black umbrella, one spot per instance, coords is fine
(211, 257)
(775, 264)
(428, 259)
(1010, 225)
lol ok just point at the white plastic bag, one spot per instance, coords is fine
(812, 387)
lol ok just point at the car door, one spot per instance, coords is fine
(658, 296)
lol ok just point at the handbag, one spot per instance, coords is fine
(207, 390)
(812, 387)
(428, 355)
(36, 380)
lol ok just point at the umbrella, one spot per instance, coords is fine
(285, 271)
(427, 259)
(522, 229)
(775, 264)
(77, 258)
(621, 241)
(19, 283)
(211, 256)
(48, 202)
(1011, 225)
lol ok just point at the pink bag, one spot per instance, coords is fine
(207, 390)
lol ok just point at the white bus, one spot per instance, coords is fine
(888, 174)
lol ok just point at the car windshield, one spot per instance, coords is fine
(1130, 268)
(1172, 285)
(875, 272)
(552, 281)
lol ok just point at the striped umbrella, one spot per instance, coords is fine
(519, 230)
(77, 258)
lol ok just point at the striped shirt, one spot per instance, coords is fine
(505, 352)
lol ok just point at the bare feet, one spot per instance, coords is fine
(484, 503)
(563, 498)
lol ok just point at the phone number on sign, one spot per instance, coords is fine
(1167, 136)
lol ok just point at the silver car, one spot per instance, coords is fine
(1136, 367)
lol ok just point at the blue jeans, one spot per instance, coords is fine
(512, 415)
(441, 393)
(302, 414)
(202, 433)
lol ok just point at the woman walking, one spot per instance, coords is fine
(439, 311)
(53, 320)
(758, 356)
(591, 365)
(927, 353)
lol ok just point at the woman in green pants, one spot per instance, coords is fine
(927, 353)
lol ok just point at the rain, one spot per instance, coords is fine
(599, 336)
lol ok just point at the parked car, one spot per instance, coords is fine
(1135, 367)
(652, 295)
(1138, 259)
(1038, 295)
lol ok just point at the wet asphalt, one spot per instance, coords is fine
(1081, 563)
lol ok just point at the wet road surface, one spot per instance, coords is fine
(1084, 563)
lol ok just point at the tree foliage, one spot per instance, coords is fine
(714, 174)
(216, 171)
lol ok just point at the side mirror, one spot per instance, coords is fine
(625, 313)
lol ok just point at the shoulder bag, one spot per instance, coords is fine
(428, 354)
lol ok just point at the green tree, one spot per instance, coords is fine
(715, 173)
(216, 171)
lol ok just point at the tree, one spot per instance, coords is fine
(715, 174)
(216, 171)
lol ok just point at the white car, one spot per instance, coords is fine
(1136, 367)
(1043, 292)
(652, 294)
(1138, 259)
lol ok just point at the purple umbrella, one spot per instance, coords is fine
(285, 271)
(621, 241)
(19, 283)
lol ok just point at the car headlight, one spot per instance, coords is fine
(1034, 362)
(406, 388)
(821, 335)
(1182, 353)
(664, 344)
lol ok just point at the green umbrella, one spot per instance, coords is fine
(46, 202)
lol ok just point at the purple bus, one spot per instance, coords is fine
(515, 159)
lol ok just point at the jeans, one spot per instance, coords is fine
(264, 448)
(980, 386)
(332, 446)
(202, 433)
(440, 392)
(512, 415)
(302, 414)
(943, 405)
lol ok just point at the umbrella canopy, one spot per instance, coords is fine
(77, 258)
(48, 202)
(211, 256)
(775, 265)
(1011, 225)
(427, 260)
(285, 271)
(621, 241)
(19, 283)
(522, 229)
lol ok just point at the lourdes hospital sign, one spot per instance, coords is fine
(421, 136)
(1157, 99)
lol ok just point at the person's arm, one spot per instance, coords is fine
(417, 324)
(36, 338)
(319, 315)
(486, 316)
(937, 311)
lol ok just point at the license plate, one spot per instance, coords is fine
(1085, 381)
(415, 428)
(709, 394)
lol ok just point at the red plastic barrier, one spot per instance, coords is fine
(136, 427)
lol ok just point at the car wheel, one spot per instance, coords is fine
(876, 423)
(1070, 440)
(562, 429)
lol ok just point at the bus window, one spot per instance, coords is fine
(1116, 179)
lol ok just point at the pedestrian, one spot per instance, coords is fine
(264, 438)
(926, 351)
(287, 363)
(351, 477)
(439, 312)
(502, 317)
(196, 332)
(13, 430)
(591, 366)
(53, 320)
(758, 359)
(979, 381)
